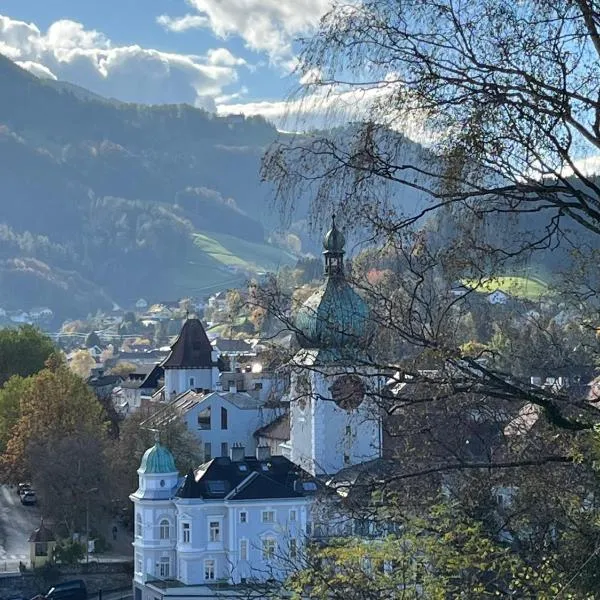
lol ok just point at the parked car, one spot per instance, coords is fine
(22, 487)
(28, 497)
(68, 590)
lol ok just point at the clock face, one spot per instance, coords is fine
(348, 391)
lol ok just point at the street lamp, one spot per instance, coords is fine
(87, 522)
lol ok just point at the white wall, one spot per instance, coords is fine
(226, 553)
(241, 424)
(179, 380)
(326, 438)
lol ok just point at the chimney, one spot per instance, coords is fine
(263, 453)
(237, 452)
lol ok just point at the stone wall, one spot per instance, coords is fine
(97, 576)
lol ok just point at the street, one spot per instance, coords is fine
(16, 525)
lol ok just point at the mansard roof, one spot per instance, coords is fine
(273, 478)
(192, 348)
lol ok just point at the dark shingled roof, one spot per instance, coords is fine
(279, 429)
(249, 479)
(192, 348)
(42, 535)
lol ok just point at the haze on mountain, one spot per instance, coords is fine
(102, 199)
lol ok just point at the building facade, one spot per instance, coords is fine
(234, 520)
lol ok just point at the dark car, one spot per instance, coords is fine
(68, 590)
(28, 497)
(23, 487)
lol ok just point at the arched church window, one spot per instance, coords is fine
(164, 529)
(348, 392)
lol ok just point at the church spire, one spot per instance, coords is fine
(333, 243)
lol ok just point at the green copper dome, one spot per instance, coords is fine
(157, 460)
(335, 316)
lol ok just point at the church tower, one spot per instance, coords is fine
(192, 362)
(334, 422)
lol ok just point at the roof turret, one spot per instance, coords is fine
(157, 459)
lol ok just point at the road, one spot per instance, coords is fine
(17, 522)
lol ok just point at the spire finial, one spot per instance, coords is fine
(333, 220)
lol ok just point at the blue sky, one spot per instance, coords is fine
(223, 55)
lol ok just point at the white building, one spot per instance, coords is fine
(192, 362)
(233, 521)
(220, 420)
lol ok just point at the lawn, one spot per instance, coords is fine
(526, 288)
(206, 268)
(235, 252)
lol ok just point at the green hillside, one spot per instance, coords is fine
(522, 287)
(236, 252)
(107, 202)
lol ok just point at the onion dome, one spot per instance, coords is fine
(334, 239)
(157, 460)
(335, 316)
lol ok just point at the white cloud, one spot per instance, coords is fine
(37, 69)
(131, 73)
(265, 25)
(184, 23)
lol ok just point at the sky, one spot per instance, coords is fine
(228, 56)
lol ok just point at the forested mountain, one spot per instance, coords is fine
(101, 200)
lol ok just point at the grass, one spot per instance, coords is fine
(525, 288)
(231, 251)
(205, 269)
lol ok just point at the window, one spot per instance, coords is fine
(207, 451)
(185, 533)
(41, 549)
(214, 531)
(223, 418)
(293, 548)
(192, 382)
(230, 383)
(268, 516)
(138, 564)
(224, 449)
(164, 567)
(346, 459)
(138, 525)
(209, 570)
(293, 515)
(348, 430)
(243, 549)
(258, 386)
(164, 533)
(268, 548)
(204, 419)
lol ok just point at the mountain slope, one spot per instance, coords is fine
(113, 194)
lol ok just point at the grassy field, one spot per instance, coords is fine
(206, 268)
(526, 288)
(234, 252)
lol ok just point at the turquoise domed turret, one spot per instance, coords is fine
(335, 316)
(157, 460)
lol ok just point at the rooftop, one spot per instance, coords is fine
(248, 479)
(192, 348)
